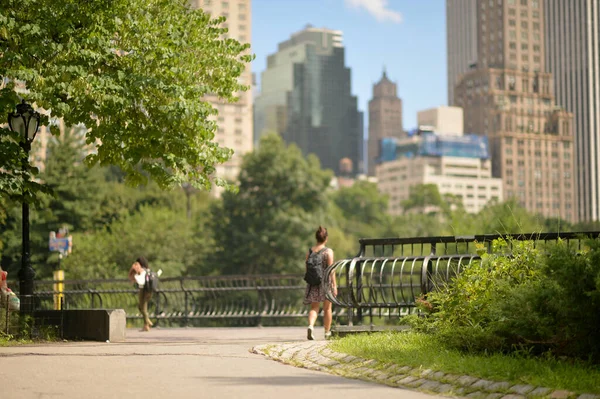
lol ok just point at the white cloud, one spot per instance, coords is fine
(377, 8)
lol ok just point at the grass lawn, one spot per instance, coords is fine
(420, 350)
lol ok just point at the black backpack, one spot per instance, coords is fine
(151, 283)
(314, 267)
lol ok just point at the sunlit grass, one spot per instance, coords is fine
(423, 351)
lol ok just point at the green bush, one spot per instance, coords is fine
(521, 298)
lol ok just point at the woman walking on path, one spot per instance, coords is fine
(319, 256)
(139, 267)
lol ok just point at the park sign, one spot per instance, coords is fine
(60, 243)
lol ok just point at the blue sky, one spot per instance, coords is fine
(408, 37)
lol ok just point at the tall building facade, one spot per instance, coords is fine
(235, 127)
(509, 97)
(573, 57)
(306, 97)
(461, 40)
(385, 118)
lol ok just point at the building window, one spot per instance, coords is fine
(512, 35)
(523, 13)
(512, 45)
(512, 11)
(524, 46)
(224, 4)
(524, 3)
(524, 35)
(535, 3)
(242, 17)
(511, 83)
(512, 22)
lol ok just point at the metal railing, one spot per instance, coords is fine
(183, 301)
(386, 278)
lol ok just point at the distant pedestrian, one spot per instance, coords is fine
(137, 275)
(319, 257)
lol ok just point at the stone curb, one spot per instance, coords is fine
(316, 355)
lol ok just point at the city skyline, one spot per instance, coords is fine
(377, 34)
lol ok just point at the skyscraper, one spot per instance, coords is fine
(306, 98)
(461, 40)
(573, 57)
(509, 97)
(234, 120)
(385, 118)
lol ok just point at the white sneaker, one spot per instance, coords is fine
(309, 333)
(327, 334)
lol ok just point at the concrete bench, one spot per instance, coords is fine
(86, 324)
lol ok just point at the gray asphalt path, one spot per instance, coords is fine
(174, 363)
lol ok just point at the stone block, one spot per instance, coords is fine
(521, 389)
(86, 324)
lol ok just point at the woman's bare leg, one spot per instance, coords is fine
(313, 313)
(327, 317)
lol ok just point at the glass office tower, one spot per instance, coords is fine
(306, 98)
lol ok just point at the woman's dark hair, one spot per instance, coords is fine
(142, 261)
(321, 234)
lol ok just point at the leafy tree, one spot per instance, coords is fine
(267, 226)
(507, 218)
(140, 86)
(363, 209)
(166, 237)
(75, 198)
(424, 197)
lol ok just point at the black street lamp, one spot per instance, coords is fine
(25, 122)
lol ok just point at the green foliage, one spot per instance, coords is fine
(561, 311)
(355, 212)
(467, 300)
(139, 86)
(424, 196)
(521, 298)
(165, 237)
(267, 226)
(508, 218)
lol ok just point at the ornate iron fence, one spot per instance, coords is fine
(183, 301)
(384, 279)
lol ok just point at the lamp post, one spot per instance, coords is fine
(25, 122)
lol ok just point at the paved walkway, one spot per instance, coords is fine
(172, 364)
(222, 363)
(316, 355)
